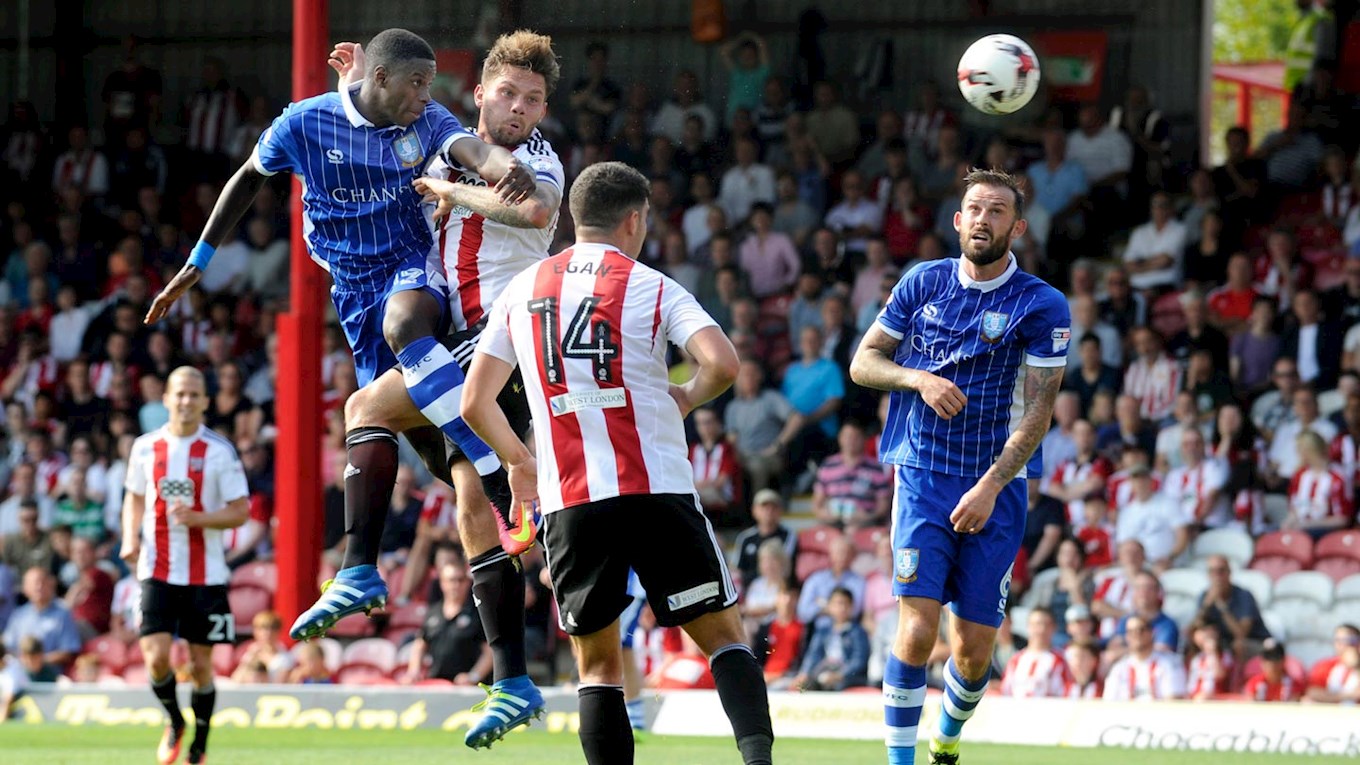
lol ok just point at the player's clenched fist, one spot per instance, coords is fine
(517, 184)
(941, 395)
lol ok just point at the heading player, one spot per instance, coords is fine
(590, 327)
(196, 487)
(973, 352)
(483, 244)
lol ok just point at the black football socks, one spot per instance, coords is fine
(498, 588)
(369, 478)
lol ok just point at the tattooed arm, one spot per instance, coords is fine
(1041, 391)
(873, 366)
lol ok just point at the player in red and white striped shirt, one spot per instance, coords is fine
(1038, 671)
(1318, 500)
(194, 485)
(1144, 674)
(590, 328)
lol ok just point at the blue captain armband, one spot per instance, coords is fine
(201, 255)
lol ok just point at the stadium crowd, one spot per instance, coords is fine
(1192, 535)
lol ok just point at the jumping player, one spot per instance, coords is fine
(483, 244)
(195, 485)
(590, 328)
(973, 351)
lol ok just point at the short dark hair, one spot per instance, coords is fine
(764, 207)
(850, 596)
(605, 193)
(979, 177)
(393, 47)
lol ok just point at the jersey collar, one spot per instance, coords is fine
(351, 111)
(969, 282)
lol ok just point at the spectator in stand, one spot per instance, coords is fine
(717, 471)
(868, 280)
(868, 313)
(45, 618)
(24, 489)
(1185, 416)
(1209, 662)
(815, 387)
(1147, 606)
(1231, 306)
(828, 257)
(907, 220)
(856, 217)
(81, 167)
(27, 546)
(1284, 459)
(1274, 408)
(266, 647)
(779, 641)
(35, 663)
(1113, 599)
(768, 510)
(1198, 486)
(851, 491)
(1090, 375)
(817, 590)
(1038, 671)
(833, 127)
(1097, 533)
(1232, 609)
(748, 67)
(1341, 304)
(675, 261)
(1060, 184)
(1292, 154)
(1122, 308)
(746, 183)
(1346, 445)
(1145, 673)
(1272, 683)
(1105, 154)
(1086, 320)
(1072, 587)
(452, 634)
(311, 666)
(838, 654)
(1239, 180)
(761, 595)
(1153, 378)
(763, 424)
(768, 258)
(1280, 271)
(1058, 444)
(594, 92)
(684, 102)
(1199, 205)
(1153, 520)
(1083, 661)
(1198, 334)
(793, 217)
(694, 220)
(1320, 500)
(1081, 477)
(771, 117)
(399, 533)
(1153, 255)
(90, 598)
(1336, 680)
(80, 511)
(1313, 342)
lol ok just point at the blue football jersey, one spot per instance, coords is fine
(981, 336)
(362, 219)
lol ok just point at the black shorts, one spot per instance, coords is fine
(665, 538)
(200, 614)
(513, 399)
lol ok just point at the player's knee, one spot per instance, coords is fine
(973, 663)
(357, 410)
(407, 320)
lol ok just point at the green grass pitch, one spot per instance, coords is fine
(90, 745)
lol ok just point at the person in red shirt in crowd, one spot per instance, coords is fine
(1337, 680)
(1095, 535)
(1272, 683)
(1083, 661)
(90, 598)
(1319, 500)
(1209, 666)
(780, 641)
(1230, 305)
(1038, 671)
(1080, 477)
(717, 471)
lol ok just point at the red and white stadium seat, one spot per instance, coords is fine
(1276, 566)
(866, 540)
(112, 654)
(374, 653)
(261, 574)
(817, 539)
(353, 626)
(809, 563)
(1337, 568)
(1286, 544)
(245, 603)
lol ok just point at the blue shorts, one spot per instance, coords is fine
(628, 620)
(361, 315)
(971, 572)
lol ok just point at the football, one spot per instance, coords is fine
(998, 74)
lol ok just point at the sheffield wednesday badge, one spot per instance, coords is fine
(408, 150)
(994, 325)
(905, 564)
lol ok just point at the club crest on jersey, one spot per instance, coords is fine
(994, 325)
(905, 564)
(408, 150)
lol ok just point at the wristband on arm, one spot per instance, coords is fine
(201, 254)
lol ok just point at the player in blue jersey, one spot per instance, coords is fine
(973, 352)
(358, 152)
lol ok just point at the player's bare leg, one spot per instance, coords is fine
(606, 736)
(498, 593)
(203, 701)
(739, 680)
(156, 652)
(965, 681)
(904, 675)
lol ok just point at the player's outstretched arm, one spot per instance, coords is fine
(514, 181)
(535, 212)
(134, 505)
(236, 198)
(718, 364)
(873, 366)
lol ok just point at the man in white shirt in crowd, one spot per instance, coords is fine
(1153, 255)
(1152, 519)
(1282, 461)
(746, 183)
(1102, 150)
(1144, 674)
(856, 218)
(1197, 485)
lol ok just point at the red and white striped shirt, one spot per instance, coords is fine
(1318, 494)
(1346, 455)
(1155, 385)
(480, 256)
(87, 171)
(1117, 590)
(1259, 689)
(1194, 488)
(103, 373)
(1160, 676)
(1333, 675)
(1119, 491)
(1203, 668)
(1036, 674)
(1071, 472)
(1091, 689)
(201, 470)
(213, 117)
(712, 464)
(589, 327)
(440, 507)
